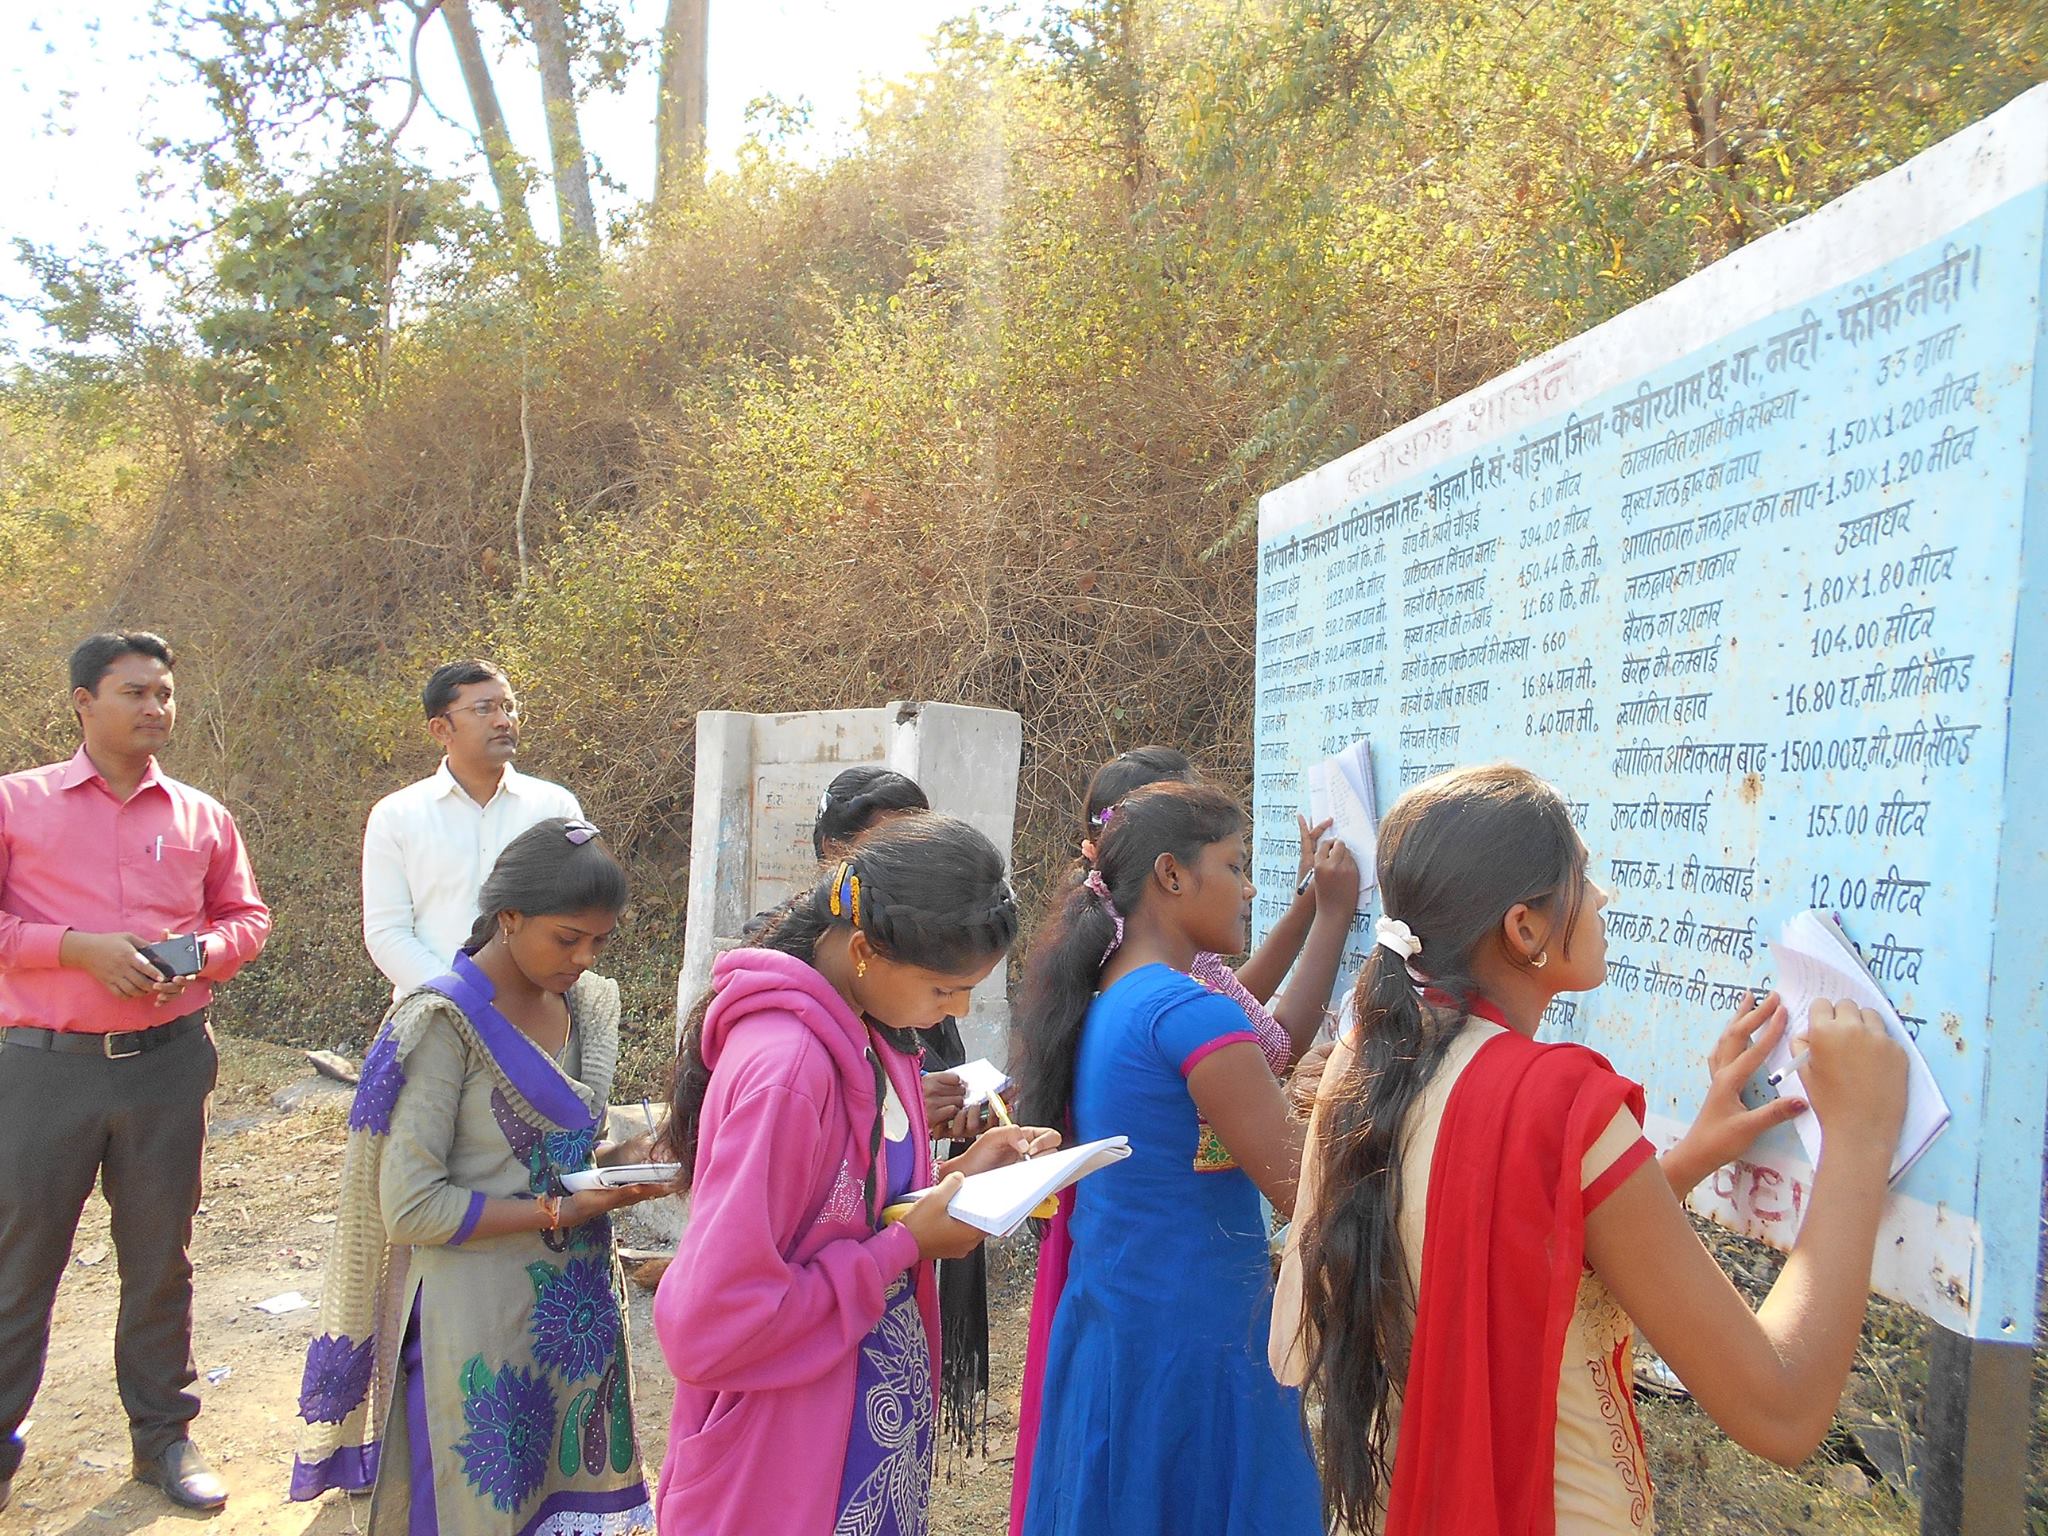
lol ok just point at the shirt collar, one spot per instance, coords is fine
(445, 783)
(78, 771)
(82, 770)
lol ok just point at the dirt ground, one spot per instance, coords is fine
(270, 1190)
(271, 1180)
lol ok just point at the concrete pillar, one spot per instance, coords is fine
(759, 781)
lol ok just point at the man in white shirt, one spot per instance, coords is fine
(428, 846)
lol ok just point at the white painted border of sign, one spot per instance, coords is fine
(1959, 179)
(1933, 1241)
(1977, 1412)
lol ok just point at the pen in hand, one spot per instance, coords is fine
(1796, 1064)
(1003, 1114)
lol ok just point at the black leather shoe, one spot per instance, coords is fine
(183, 1475)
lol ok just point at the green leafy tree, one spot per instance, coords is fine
(304, 279)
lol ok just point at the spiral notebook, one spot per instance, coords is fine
(999, 1201)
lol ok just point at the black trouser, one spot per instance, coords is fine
(138, 1124)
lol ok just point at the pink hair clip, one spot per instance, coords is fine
(1100, 888)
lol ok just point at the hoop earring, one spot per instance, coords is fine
(1540, 959)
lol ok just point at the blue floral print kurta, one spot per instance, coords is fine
(498, 1386)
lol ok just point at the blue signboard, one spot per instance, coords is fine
(1754, 574)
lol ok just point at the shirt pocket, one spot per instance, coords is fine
(165, 891)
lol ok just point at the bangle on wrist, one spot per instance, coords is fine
(551, 1208)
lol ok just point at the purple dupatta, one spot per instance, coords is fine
(525, 1066)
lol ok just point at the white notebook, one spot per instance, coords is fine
(1340, 792)
(980, 1077)
(1815, 961)
(999, 1201)
(619, 1175)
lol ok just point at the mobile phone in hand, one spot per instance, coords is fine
(175, 957)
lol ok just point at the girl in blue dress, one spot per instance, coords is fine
(1159, 1413)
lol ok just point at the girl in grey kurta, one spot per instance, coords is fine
(471, 1365)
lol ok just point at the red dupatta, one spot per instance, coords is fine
(1503, 1248)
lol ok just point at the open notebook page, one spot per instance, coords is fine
(1814, 961)
(999, 1201)
(980, 1077)
(1340, 792)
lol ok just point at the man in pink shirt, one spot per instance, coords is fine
(105, 1064)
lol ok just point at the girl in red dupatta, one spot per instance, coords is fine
(1481, 1226)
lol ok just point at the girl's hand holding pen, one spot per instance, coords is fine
(1335, 874)
(1725, 1127)
(1001, 1146)
(1311, 838)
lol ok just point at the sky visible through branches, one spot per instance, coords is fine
(82, 88)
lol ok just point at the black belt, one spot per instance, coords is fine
(118, 1046)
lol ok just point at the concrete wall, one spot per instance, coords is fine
(759, 779)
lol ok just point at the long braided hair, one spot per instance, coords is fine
(1456, 854)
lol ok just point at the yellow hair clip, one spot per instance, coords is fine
(845, 898)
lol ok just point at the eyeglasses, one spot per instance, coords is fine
(485, 708)
(578, 832)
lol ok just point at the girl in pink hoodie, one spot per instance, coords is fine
(802, 1330)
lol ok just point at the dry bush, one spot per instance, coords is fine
(979, 410)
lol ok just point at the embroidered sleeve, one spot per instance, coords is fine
(1213, 972)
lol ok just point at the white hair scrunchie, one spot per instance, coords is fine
(1397, 936)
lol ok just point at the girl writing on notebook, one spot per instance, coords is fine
(471, 1362)
(1157, 1411)
(858, 800)
(1482, 1227)
(801, 1328)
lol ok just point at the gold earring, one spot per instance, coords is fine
(1540, 959)
(860, 968)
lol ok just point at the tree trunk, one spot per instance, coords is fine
(565, 141)
(499, 154)
(679, 116)
(1127, 65)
